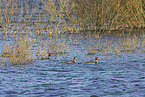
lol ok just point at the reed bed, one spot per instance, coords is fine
(59, 20)
(49, 16)
(26, 49)
(120, 43)
(96, 15)
(54, 44)
(20, 51)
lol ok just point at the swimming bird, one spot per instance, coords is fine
(6, 55)
(74, 60)
(89, 62)
(49, 56)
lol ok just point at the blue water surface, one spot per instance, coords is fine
(114, 76)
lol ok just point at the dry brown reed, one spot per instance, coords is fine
(72, 15)
(52, 19)
(58, 44)
(96, 14)
(120, 43)
(20, 51)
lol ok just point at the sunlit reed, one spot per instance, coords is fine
(49, 26)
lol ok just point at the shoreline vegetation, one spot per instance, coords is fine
(40, 27)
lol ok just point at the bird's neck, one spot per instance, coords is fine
(96, 62)
(49, 56)
(74, 60)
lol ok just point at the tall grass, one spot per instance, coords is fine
(52, 18)
(48, 16)
(122, 43)
(97, 14)
(56, 44)
(20, 51)
(115, 43)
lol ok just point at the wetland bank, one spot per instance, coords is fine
(30, 30)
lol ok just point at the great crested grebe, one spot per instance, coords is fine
(49, 56)
(74, 60)
(89, 62)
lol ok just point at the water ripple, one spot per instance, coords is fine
(54, 78)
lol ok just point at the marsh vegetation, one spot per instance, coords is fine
(39, 37)
(40, 27)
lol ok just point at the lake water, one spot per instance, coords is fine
(116, 75)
